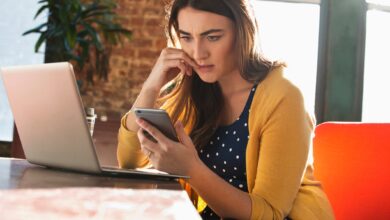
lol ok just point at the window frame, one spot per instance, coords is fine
(339, 89)
(379, 7)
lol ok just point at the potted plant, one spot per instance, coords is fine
(80, 32)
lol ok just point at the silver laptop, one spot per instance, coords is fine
(51, 120)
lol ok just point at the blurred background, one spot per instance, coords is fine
(336, 51)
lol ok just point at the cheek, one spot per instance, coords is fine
(227, 56)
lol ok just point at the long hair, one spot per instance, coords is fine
(200, 103)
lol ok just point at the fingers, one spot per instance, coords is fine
(181, 55)
(173, 54)
(148, 146)
(182, 135)
(153, 132)
(179, 64)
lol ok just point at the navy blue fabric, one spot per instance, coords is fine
(225, 153)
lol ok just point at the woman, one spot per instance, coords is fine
(244, 133)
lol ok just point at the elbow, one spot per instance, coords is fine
(263, 209)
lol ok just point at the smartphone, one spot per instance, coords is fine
(160, 119)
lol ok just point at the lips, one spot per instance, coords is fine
(205, 68)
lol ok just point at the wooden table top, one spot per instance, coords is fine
(38, 192)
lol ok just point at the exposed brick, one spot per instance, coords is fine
(149, 54)
(131, 61)
(154, 22)
(152, 31)
(142, 43)
(160, 43)
(137, 21)
(152, 11)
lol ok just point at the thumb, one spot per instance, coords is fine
(182, 135)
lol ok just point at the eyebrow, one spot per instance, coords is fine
(204, 33)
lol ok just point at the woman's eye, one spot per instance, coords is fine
(185, 38)
(213, 38)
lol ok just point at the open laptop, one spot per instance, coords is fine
(51, 120)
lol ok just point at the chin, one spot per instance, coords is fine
(207, 79)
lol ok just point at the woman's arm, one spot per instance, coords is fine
(146, 99)
(278, 153)
(170, 63)
(225, 200)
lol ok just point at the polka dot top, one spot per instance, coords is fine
(225, 152)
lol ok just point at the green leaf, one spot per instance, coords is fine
(53, 32)
(94, 35)
(76, 27)
(95, 8)
(36, 29)
(40, 10)
(85, 51)
(99, 13)
(82, 33)
(39, 42)
(71, 37)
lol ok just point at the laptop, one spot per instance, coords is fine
(51, 120)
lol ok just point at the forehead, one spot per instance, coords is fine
(196, 21)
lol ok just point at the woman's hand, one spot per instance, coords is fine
(172, 61)
(165, 154)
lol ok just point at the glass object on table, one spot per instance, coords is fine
(91, 117)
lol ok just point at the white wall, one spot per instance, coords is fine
(15, 18)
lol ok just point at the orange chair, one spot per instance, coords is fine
(352, 161)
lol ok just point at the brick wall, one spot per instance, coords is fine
(132, 61)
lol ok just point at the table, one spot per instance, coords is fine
(35, 192)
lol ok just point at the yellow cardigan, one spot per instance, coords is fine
(278, 155)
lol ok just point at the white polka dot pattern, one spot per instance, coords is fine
(225, 153)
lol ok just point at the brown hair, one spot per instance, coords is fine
(189, 101)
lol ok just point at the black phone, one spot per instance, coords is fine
(160, 119)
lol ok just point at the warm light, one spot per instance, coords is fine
(289, 32)
(376, 92)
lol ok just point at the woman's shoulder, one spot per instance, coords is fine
(276, 92)
(276, 86)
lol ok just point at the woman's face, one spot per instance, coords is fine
(209, 39)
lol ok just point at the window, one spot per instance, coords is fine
(15, 49)
(376, 104)
(289, 32)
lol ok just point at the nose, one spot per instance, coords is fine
(199, 51)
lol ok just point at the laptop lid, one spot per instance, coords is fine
(50, 116)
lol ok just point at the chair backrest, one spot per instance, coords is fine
(352, 161)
